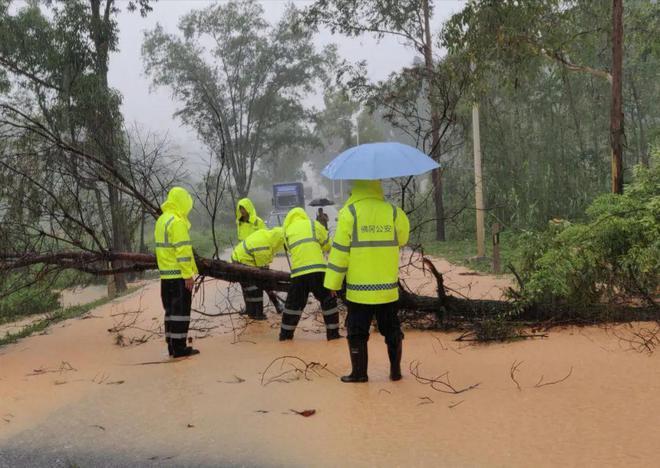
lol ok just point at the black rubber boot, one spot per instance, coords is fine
(359, 361)
(286, 335)
(332, 334)
(183, 352)
(394, 352)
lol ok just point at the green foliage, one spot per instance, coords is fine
(241, 82)
(498, 328)
(614, 255)
(28, 301)
(56, 316)
(203, 240)
(464, 250)
(540, 70)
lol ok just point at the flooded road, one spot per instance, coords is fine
(75, 396)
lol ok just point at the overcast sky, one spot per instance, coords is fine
(153, 108)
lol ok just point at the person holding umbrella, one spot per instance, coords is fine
(365, 250)
(322, 218)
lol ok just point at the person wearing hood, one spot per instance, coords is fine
(306, 240)
(257, 250)
(247, 221)
(177, 267)
(365, 252)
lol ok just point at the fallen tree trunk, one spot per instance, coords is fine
(447, 310)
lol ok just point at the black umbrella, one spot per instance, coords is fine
(321, 202)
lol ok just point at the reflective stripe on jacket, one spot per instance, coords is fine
(306, 240)
(174, 252)
(254, 222)
(365, 249)
(259, 248)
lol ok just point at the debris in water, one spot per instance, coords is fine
(236, 380)
(64, 367)
(540, 383)
(116, 382)
(99, 427)
(261, 411)
(440, 383)
(190, 425)
(305, 413)
(292, 368)
(425, 401)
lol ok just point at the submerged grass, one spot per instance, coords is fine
(463, 252)
(59, 315)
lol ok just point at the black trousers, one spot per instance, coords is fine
(296, 300)
(254, 299)
(359, 317)
(177, 301)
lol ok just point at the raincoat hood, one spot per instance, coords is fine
(295, 214)
(178, 202)
(365, 189)
(249, 207)
(276, 238)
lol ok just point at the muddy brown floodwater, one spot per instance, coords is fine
(75, 397)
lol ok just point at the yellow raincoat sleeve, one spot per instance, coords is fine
(180, 238)
(263, 256)
(339, 255)
(322, 236)
(260, 224)
(402, 226)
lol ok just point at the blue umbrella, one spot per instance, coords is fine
(374, 161)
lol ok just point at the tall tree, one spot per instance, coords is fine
(61, 60)
(240, 80)
(410, 20)
(555, 30)
(616, 113)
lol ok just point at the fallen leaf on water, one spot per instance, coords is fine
(305, 413)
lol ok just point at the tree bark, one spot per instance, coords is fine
(436, 175)
(447, 310)
(100, 30)
(616, 113)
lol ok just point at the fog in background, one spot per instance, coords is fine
(154, 108)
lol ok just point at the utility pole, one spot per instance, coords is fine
(478, 182)
(478, 175)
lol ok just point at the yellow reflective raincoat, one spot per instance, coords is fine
(259, 248)
(306, 240)
(173, 246)
(254, 222)
(365, 248)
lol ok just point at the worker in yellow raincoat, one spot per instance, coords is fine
(365, 252)
(257, 250)
(247, 220)
(306, 240)
(176, 264)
